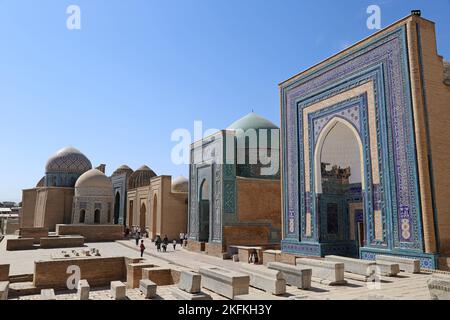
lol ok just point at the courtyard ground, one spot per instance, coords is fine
(404, 286)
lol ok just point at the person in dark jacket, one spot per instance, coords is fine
(142, 248)
(158, 242)
(165, 243)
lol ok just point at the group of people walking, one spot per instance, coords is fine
(161, 244)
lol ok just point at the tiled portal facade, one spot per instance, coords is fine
(378, 90)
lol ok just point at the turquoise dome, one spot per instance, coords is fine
(252, 121)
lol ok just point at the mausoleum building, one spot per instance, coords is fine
(234, 192)
(365, 150)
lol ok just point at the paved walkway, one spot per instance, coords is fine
(405, 286)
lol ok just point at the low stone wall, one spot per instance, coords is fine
(62, 242)
(134, 273)
(271, 256)
(288, 258)
(92, 233)
(97, 271)
(163, 275)
(4, 272)
(35, 233)
(195, 246)
(12, 226)
(20, 244)
(215, 250)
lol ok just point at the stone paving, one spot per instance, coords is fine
(405, 286)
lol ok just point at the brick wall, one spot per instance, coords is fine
(4, 272)
(35, 233)
(134, 273)
(162, 276)
(62, 242)
(19, 244)
(92, 233)
(97, 271)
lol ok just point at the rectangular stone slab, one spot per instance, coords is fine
(269, 280)
(439, 287)
(190, 281)
(118, 290)
(388, 268)
(357, 266)
(83, 290)
(256, 297)
(293, 275)
(224, 282)
(148, 288)
(323, 271)
(183, 295)
(48, 294)
(406, 264)
(4, 287)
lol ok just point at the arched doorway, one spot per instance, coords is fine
(97, 216)
(204, 211)
(142, 217)
(339, 186)
(82, 216)
(117, 208)
(154, 216)
(130, 214)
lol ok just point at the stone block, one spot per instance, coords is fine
(269, 280)
(271, 256)
(83, 290)
(20, 244)
(388, 268)
(183, 295)
(4, 288)
(135, 274)
(409, 265)
(48, 294)
(118, 290)
(357, 266)
(148, 288)
(190, 282)
(323, 271)
(162, 276)
(4, 272)
(224, 282)
(35, 233)
(61, 242)
(439, 287)
(296, 276)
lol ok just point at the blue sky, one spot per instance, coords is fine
(139, 69)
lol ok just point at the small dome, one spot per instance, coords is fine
(180, 184)
(41, 183)
(122, 169)
(252, 121)
(68, 160)
(93, 179)
(141, 177)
